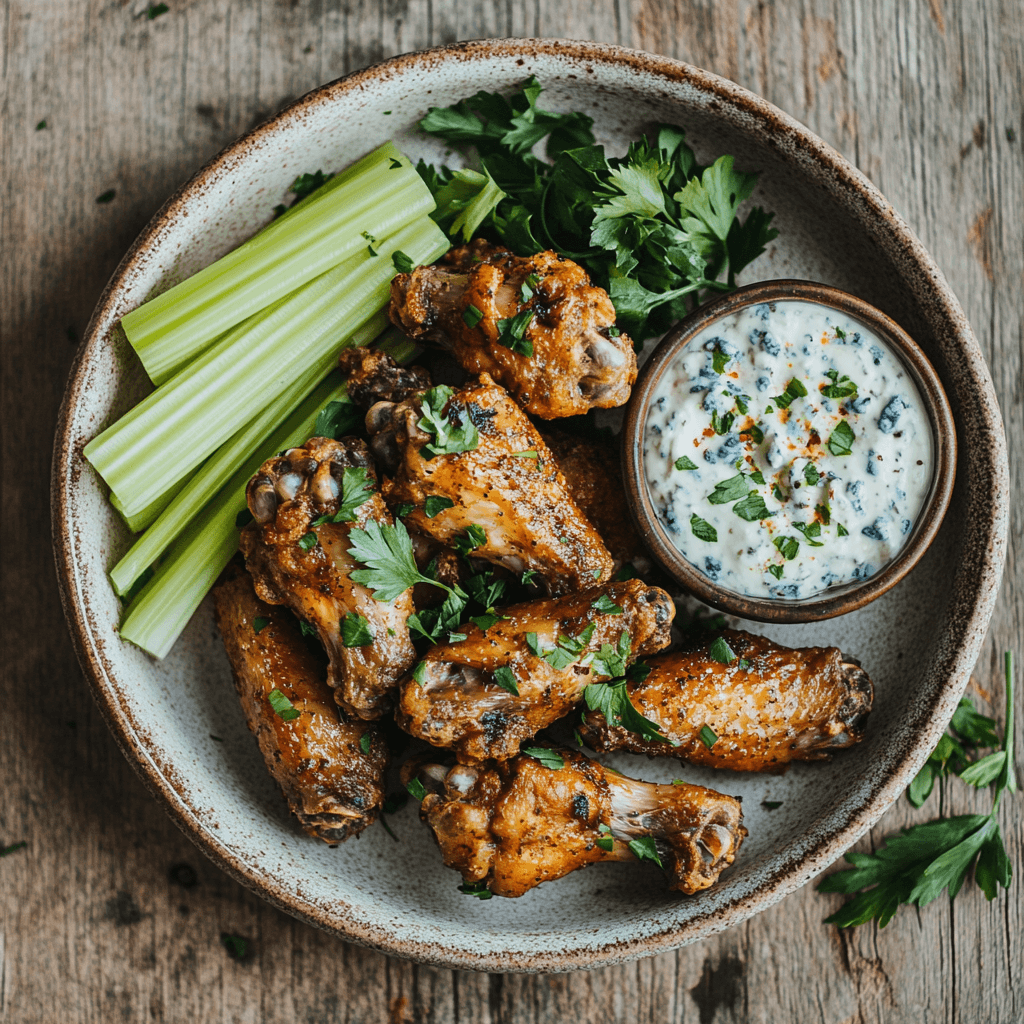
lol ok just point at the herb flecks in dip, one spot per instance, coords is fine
(787, 451)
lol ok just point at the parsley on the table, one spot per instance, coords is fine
(721, 652)
(107, 197)
(356, 631)
(702, 529)
(771, 805)
(452, 433)
(512, 333)
(729, 490)
(914, 866)
(841, 440)
(685, 463)
(42, 125)
(282, 706)
(7, 850)
(471, 316)
(547, 757)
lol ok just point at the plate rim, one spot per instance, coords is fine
(968, 616)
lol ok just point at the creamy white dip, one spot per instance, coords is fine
(787, 451)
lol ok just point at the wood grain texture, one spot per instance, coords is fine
(924, 96)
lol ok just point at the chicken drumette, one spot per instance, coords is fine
(512, 825)
(768, 706)
(535, 324)
(460, 695)
(503, 481)
(375, 377)
(299, 557)
(333, 786)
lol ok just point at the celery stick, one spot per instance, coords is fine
(374, 198)
(219, 467)
(163, 607)
(141, 520)
(176, 427)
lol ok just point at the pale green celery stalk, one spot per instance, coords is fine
(219, 467)
(175, 428)
(141, 520)
(163, 607)
(175, 327)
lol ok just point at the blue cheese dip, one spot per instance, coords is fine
(787, 451)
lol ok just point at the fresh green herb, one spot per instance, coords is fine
(438, 624)
(237, 947)
(364, 743)
(645, 849)
(794, 389)
(356, 631)
(512, 333)
(842, 530)
(372, 242)
(308, 541)
(567, 650)
(702, 529)
(307, 630)
(395, 802)
(605, 842)
(914, 866)
(771, 805)
(810, 531)
(473, 538)
(841, 387)
(708, 736)
(611, 661)
(7, 850)
(721, 652)
(404, 509)
(788, 546)
(356, 491)
(721, 424)
(452, 433)
(752, 508)
(729, 490)
(529, 287)
(472, 316)
(505, 678)
(526, 455)
(547, 757)
(42, 125)
(841, 440)
(606, 606)
(613, 701)
(465, 198)
(155, 10)
(627, 572)
(477, 889)
(403, 264)
(106, 197)
(777, 492)
(755, 432)
(824, 512)
(436, 504)
(741, 403)
(386, 551)
(685, 463)
(758, 477)
(259, 624)
(744, 664)
(811, 474)
(777, 571)
(485, 621)
(840, 333)
(528, 577)
(282, 706)
(336, 420)
(416, 789)
(719, 360)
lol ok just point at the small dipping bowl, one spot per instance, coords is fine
(837, 600)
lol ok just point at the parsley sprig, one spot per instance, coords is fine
(914, 866)
(452, 434)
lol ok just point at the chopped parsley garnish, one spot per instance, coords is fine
(547, 757)
(42, 124)
(403, 264)
(606, 606)
(683, 462)
(449, 438)
(237, 947)
(794, 389)
(841, 387)
(771, 805)
(364, 743)
(528, 577)
(436, 504)
(473, 538)
(840, 333)
(721, 424)
(612, 700)
(259, 624)
(729, 490)
(757, 476)
(472, 316)
(605, 842)
(485, 621)
(526, 455)
(416, 789)
(356, 631)
(306, 629)
(842, 530)
(811, 474)
(512, 333)
(788, 546)
(752, 508)
(841, 440)
(645, 849)
(7, 850)
(777, 571)
(721, 652)
(611, 661)
(810, 531)
(526, 292)
(567, 650)
(708, 736)
(741, 403)
(719, 360)
(106, 197)
(755, 432)
(477, 889)
(777, 492)
(283, 707)
(505, 678)
(372, 241)
(702, 529)
(824, 512)
(308, 541)
(336, 420)
(404, 509)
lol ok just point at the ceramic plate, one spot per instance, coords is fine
(919, 642)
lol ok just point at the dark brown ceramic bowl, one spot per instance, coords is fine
(838, 600)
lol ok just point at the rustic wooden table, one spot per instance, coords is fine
(924, 96)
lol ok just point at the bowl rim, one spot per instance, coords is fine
(830, 603)
(969, 612)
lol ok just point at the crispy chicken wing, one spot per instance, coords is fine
(332, 785)
(298, 560)
(549, 650)
(535, 324)
(770, 706)
(515, 824)
(374, 377)
(509, 485)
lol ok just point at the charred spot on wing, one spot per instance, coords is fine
(481, 418)
(495, 725)
(580, 807)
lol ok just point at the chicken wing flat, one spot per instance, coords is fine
(535, 324)
(374, 376)
(512, 825)
(461, 694)
(298, 556)
(506, 483)
(332, 785)
(770, 705)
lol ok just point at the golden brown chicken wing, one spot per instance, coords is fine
(373, 377)
(315, 752)
(298, 556)
(483, 696)
(512, 825)
(770, 705)
(535, 324)
(478, 475)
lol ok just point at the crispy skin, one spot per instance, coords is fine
(285, 496)
(374, 377)
(455, 702)
(788, 705)
(331, 785)
(523, 504)
(576, 365)
(593, 473)
(516, 824)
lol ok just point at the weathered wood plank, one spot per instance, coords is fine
(926, 99)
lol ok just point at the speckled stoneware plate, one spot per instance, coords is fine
(919, 641)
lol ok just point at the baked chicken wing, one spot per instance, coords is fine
(535, 324)
(299, 557)
(770, 705)
(512, 825)
(373, 377)
(461, 694)
(505, 483)
(333, 786)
